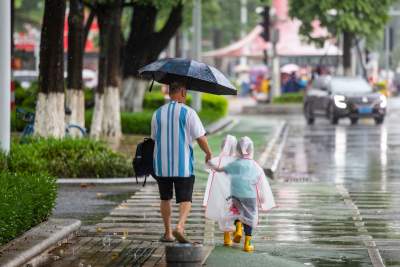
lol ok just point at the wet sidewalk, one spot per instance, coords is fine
(128, 235)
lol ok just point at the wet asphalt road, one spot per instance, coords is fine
(338, 195)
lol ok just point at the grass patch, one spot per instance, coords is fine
(288, 98)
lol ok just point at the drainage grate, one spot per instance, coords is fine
(288, 177)
(133, 257)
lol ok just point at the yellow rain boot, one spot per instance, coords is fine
(248, 247)
(238, 233)
(227, 239)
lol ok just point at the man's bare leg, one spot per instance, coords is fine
(165, 208)
(184, 210)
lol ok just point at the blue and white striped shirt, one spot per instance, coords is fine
(174, 127)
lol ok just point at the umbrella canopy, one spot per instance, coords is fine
(194, 75)
(289, 68)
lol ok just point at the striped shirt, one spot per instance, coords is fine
(174, 127)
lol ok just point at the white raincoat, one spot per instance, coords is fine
(219, 183)
(225, 207)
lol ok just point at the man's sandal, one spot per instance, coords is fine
(180, 237)
(166, 240)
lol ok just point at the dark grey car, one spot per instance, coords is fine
(343, 97)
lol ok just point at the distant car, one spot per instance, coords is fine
(343, 97)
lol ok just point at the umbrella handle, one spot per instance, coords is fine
(151, 85)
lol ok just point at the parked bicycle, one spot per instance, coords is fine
(29, 118)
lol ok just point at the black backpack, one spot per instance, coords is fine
(143, 160)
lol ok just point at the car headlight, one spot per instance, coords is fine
(383, 102)
(340, 101)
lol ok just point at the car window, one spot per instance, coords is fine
(346, 85)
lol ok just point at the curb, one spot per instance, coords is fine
(28, 248)
(276, 144)
(211, 129)
(99, 180)
(218, 125)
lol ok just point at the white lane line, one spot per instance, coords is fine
(373, 251)
(271, 144)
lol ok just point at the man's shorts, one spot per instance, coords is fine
(183, 188)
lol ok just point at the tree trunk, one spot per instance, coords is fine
(347, 45)
(217, 43)
(75, 99)
(50, 114)
(107, 118)
(12, 27)
(133, 94)
(112, 117)
(178, 44)
(143, 46)
(97, 121)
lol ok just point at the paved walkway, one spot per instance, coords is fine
(128, 236)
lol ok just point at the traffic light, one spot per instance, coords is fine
(265, 23)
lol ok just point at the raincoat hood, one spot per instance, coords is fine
(228, 147)
(245, 148)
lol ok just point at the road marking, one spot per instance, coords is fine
(373, 251)
(271, 144)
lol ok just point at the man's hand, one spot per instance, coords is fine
(208, 157)
(202, 141)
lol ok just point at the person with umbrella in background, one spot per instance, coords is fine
(175, 126)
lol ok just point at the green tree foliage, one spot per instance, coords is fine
(353, 19)
(221, 20)
(362, 18)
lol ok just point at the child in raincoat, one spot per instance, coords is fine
(249, 193)
(218, 187)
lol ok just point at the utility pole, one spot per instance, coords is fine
(274, 38)
(387, 52)
(196, 52)
(243, 26)
(5, 72)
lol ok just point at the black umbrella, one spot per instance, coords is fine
(195, 75)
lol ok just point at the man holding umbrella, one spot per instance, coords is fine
(174, 128)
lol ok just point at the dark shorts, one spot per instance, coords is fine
(183, 188)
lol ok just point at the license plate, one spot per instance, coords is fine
(364, 110)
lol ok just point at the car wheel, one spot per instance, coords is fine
(332, 117)
(379, 120)
(309, 114)
(354, 121)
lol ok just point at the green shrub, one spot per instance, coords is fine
(3, 162)
(153, 100)
(288, 98)
(215, 104)
(213, 108)
(73, 158)
(136, 122)
(18, 124)
(26, 98)
(26, 199)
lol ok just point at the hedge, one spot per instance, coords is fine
(213, 108)
(26, 199)
(288, 98)
(72, 158)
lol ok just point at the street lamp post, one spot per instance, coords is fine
(5, 72)
(196, 47)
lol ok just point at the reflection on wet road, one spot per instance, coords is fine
(338, 194)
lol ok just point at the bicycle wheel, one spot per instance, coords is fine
(75, 130)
